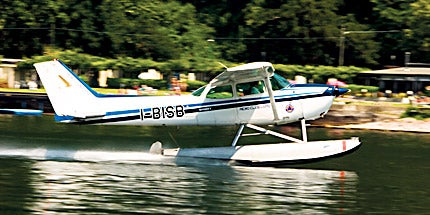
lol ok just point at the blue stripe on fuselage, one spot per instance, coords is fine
(219, 105)
(113, 113)
(62, 118)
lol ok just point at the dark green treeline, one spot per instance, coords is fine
(367, 33)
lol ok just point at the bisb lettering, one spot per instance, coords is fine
(168, 112)
(180, 112)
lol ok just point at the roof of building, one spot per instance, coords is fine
(401, 71)
(10, 60)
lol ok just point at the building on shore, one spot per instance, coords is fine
(397, 80)
(8, 77)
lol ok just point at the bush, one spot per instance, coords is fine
(319, 74)
(357, 88)
(131, 67)
(194, 85)
(132, 82)
(85, 79)
(417, 113)
(158, 84)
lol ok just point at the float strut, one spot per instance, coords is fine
(239, 132)
(304, 133)
(273, 133)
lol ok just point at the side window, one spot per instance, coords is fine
(250, 88)
(220, 92)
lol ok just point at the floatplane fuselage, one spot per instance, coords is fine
(247, 95)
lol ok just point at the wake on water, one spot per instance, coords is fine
(83, 155)
(95, 155)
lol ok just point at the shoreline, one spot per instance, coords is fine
(392, 125)
(378, 117)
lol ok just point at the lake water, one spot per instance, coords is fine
(40, 173)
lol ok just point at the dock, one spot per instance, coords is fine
(30, 101)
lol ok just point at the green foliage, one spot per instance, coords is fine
(134, 82)
(420, 22)
(417, 113)
(177, 31)
(194, 85)
(133, 66)
(73, 59)
(354, 88)
(319, 74)
(305, 20)
(159, 30)
(130, 67)
(410, 18)
(85, 78)
(158, 84)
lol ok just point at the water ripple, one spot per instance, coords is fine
(106, 188)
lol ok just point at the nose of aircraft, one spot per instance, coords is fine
(340, 91)
(335, 91)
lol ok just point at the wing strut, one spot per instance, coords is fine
(272, 98)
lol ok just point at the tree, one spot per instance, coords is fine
(391, 15)
(198, 32)
(227, 18)
(419, 36)
(82, 27)
(160, 30)
(303, 32)
(19, 34)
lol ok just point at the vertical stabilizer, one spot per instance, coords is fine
(69, 95)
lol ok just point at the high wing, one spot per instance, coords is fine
(247, 72)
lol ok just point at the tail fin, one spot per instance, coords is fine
(69, 95)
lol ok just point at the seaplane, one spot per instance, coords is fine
(250, 95)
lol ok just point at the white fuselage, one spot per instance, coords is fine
(292, 104)
(250, 93)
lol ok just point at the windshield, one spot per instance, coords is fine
(199, 91)
(278, 82)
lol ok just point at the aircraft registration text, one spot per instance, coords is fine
(162, 112)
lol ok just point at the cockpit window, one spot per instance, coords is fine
(249, 88)
(220, 92)
(278, 82)
(225, 91)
